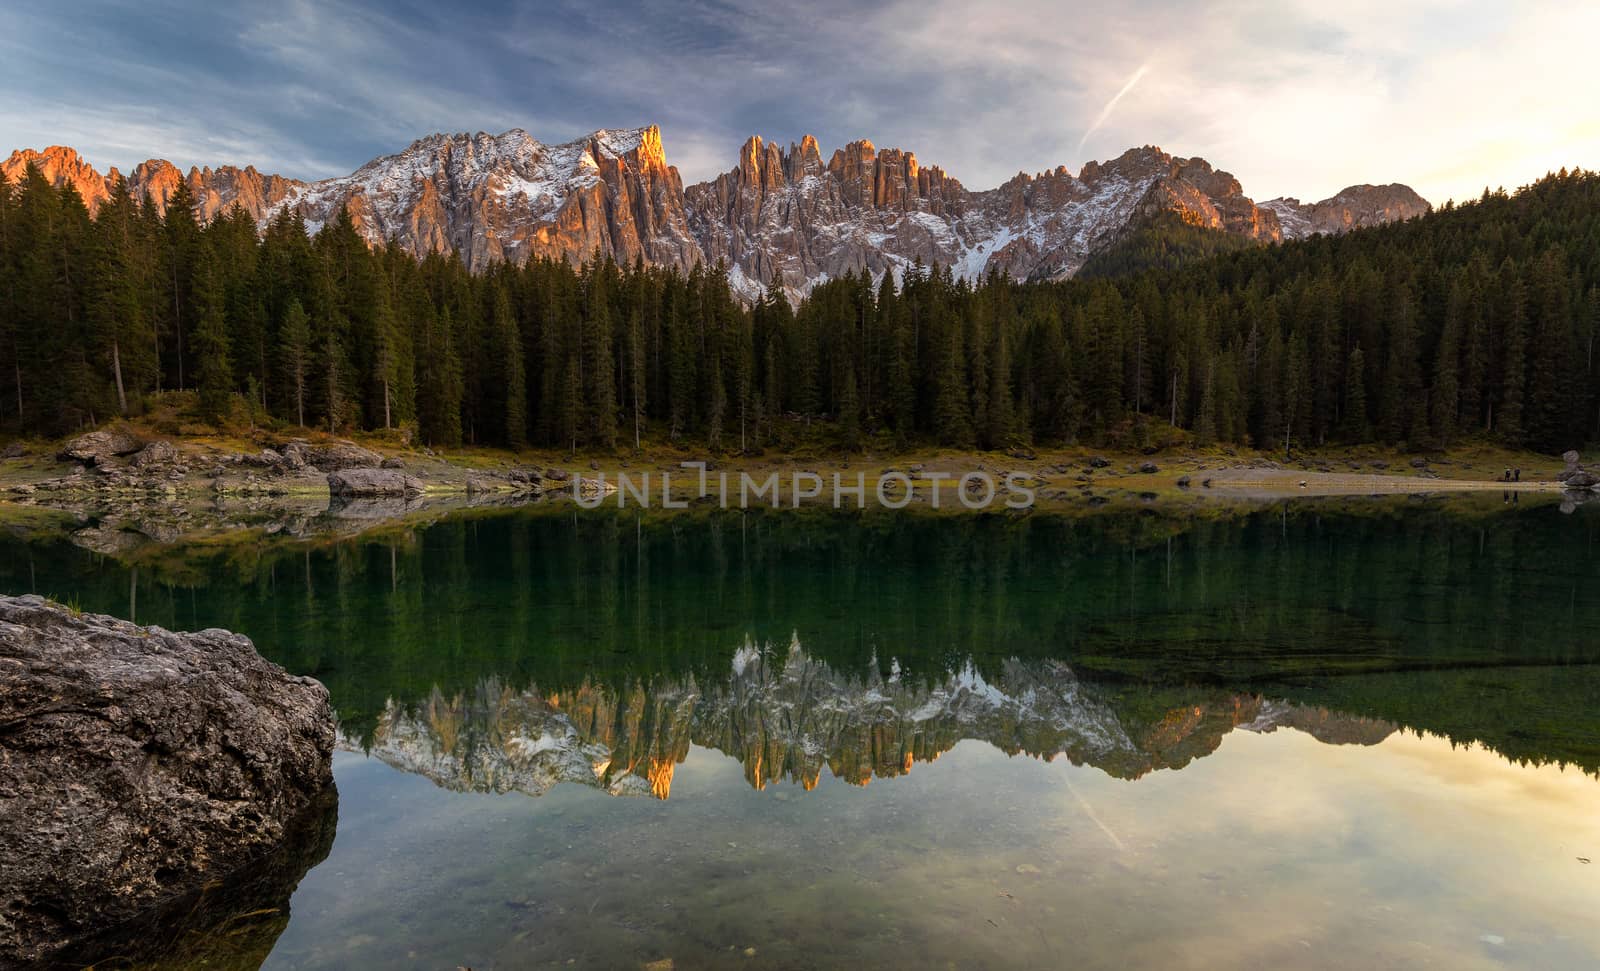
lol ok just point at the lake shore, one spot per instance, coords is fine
(231, 463)
(250, 489)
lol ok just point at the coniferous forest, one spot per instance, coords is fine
(1476, 322)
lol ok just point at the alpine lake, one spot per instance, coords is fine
(1311, 734)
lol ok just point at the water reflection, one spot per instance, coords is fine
(785, 716)
(1276, 850)
(230, 923)
(1383, 713)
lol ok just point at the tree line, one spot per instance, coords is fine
(1478, 321)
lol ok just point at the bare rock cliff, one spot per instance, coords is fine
(781, 213)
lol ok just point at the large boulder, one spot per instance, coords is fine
(154, 455)
(373, 484)
(338, 456)
(1571, 460)
(1582, 479)
(228, 924)
(97, 447)
(138, 766)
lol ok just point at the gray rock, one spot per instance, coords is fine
(392, 463)
(1582, 479)
(1419, 463)
(1099, 462)
(373, 483)
(231, 923)
(294, 456)
(96, 447)
(153, 455)
(1149, 468)
(1573, 467)
(15, 450)
(338, 456)
(140, 765)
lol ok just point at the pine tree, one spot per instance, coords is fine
(1205, 423)
(849, 410)
(951, 414)
(1554, 356)
(332, 368)
(1445, 396)
(213, 372)
(119, 308)
(183, 251)
(601, 396)
(636, 369)
(513, 377)
(1512, 314)
(386, 354)
(294, 348)
(442, 384)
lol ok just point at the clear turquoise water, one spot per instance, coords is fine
(1327, 734)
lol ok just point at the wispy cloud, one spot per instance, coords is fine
(1111, 105)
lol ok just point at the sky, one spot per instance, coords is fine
(1294, 97)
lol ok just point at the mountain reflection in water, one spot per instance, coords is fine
(1382, 715)
(786, 716)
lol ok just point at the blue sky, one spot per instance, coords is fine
(1295, 97)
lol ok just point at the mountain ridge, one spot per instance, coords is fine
(778, 213)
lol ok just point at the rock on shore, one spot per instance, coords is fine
(372, 483)
(137, 765)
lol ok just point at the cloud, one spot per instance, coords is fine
(1111, 105)
(1295, 97)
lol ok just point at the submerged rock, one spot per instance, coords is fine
(140, 765)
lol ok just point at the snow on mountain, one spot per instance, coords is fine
(786, 717)
(780, 213)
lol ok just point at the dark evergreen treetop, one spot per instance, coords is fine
(1479, 320)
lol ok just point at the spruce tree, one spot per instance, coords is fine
(1445, 396)
(182, 251)
(294, 349)
(849, 410)
(601, 389)
(213, 372)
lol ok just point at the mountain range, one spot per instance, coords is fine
(779, 212)
(786, 716)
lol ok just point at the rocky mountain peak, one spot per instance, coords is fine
(778, 211)
(1354, 207)
(61, 166)
(788, 717)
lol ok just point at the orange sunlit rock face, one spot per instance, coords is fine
(660, 776)
(777, 214)
(785, 717)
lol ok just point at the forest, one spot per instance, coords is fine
(1476, 322)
